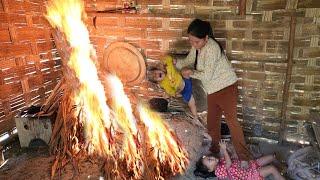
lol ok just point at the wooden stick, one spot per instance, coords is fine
(285, 94)
(53, 95)
(242, 7)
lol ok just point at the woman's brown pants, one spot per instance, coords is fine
(225, 101)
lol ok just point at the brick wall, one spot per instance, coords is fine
(29, 65)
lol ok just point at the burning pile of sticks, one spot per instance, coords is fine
(133, 144)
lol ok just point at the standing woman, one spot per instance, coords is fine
(207, 62)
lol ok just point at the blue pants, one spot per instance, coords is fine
(187, 90)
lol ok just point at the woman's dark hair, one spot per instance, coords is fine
(201, 29)
(202, 170)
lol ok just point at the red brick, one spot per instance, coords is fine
(190, 2)
(149, 2)
(44, 47)
(181, 23)
(1, 7)
(164, 34)
(13, 18)
(35, 81)
(17, 19)
(98, 40)
(145, 44)
(15, 5)
(107, 31)
(10, 89)
(14, 50)
(155, 54)
(106, 21)
(134, 32)
(32, 7)
(28, 33)
(100, 5)
(3, 18)
(40, 21)
(4, 35)
(143, 22)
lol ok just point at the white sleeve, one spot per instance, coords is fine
(186, 61)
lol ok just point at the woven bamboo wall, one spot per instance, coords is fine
(257, 44)
(29, 65)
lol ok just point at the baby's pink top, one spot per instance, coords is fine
(235, 172)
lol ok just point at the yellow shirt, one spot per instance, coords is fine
(171, 83)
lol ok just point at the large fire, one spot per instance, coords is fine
(90, 126)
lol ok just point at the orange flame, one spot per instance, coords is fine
(166, 147)
(93, 111)
(66, 15)
(127, 122)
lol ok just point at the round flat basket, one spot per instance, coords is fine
(125, 61)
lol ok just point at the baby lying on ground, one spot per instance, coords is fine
(228, 168)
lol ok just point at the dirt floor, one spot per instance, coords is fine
(35, 163)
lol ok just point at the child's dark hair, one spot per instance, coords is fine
(201, 29)
(202, 171)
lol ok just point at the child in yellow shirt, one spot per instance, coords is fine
(173, 83)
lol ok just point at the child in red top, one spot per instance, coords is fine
(225, 168)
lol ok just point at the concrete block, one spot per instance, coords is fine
(33, 127)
